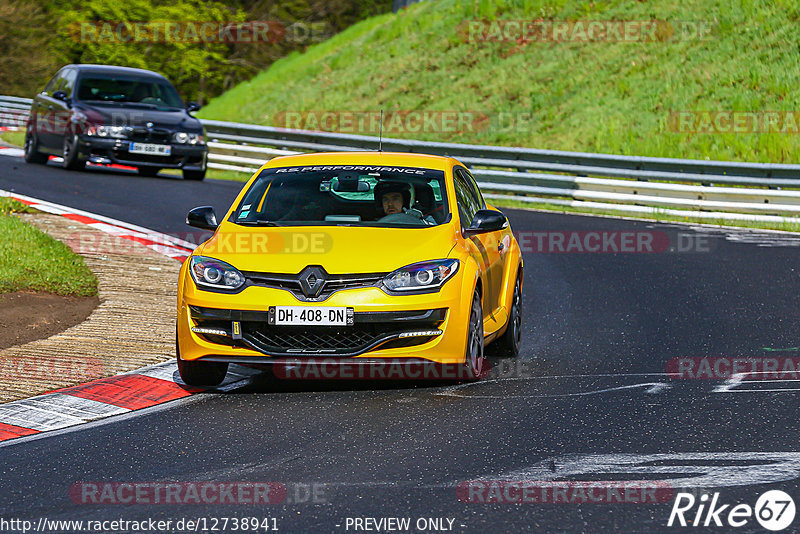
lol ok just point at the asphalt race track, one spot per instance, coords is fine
(589, 399)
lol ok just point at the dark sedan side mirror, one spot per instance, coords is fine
(60, 95)
(486, 221)
(193, 106)
(203, 218)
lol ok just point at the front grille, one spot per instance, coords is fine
(370, 330)
(332, 283)
(325, 340)
(155, 135)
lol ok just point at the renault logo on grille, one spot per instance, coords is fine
(312, 280)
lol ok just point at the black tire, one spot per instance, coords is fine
(507, 345)
(204, 374)
(148, 171)
(69, 152)
(194, 175)
(474, 362)
(32, 154)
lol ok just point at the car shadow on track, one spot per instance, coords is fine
(268, 381)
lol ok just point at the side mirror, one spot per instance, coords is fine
(486, 221)
(60, 95)
(203, 218)
(193, 106)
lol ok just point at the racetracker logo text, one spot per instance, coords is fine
(564, 492)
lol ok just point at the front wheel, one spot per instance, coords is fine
(507, 345)
(194, 175)
(202, 373)
(32, 154)
(474, 361)
(195, 373)
(69, 153)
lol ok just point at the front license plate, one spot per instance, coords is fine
(310, 316)
(150, 148)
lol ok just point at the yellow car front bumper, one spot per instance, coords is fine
(384, 326)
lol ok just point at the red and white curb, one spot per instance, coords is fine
(162, 243)
(106, 397)
(115, 395)
(11, 151)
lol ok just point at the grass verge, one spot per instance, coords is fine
(31, 260)
(13, 138)
(618, 96)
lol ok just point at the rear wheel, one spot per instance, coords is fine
(195, 373)
(474, 361)
(148, 171)
(70, 154)
(32, 154)
(194, 175)
(507, 345)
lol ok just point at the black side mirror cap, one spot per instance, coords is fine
(193, 106)
(203, 218)
(60, 95)
(486, 221)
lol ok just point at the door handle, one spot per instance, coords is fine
(500, 246)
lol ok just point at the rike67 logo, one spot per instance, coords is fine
(774, 510)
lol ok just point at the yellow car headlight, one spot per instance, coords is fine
(208, 272)
(422, 277)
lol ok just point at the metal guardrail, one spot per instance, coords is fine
(719, 189)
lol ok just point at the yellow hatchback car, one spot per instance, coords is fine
(356, 258)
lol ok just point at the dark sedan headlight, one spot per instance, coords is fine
(423, 277)
(185, 138)
(117, 132)
(208, 272)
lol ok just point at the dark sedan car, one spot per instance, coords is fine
(119, 115)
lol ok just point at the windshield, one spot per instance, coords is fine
(149, 92)
(351, 195)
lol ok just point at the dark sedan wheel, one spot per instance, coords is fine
(474, 361)
(148, 171)
(507, 345)
(194, 175)
(70, 154)
(32, 154)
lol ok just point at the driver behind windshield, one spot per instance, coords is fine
(395, 199)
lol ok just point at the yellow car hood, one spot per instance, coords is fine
(338, 249)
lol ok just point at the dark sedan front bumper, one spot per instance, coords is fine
(112, 150)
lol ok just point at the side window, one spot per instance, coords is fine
(476, 192)
(51, 85)
(69, 81)
(467, 203)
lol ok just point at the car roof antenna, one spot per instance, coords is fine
(380, 139)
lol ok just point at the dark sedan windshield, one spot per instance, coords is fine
(353, 195)
(130, 90)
